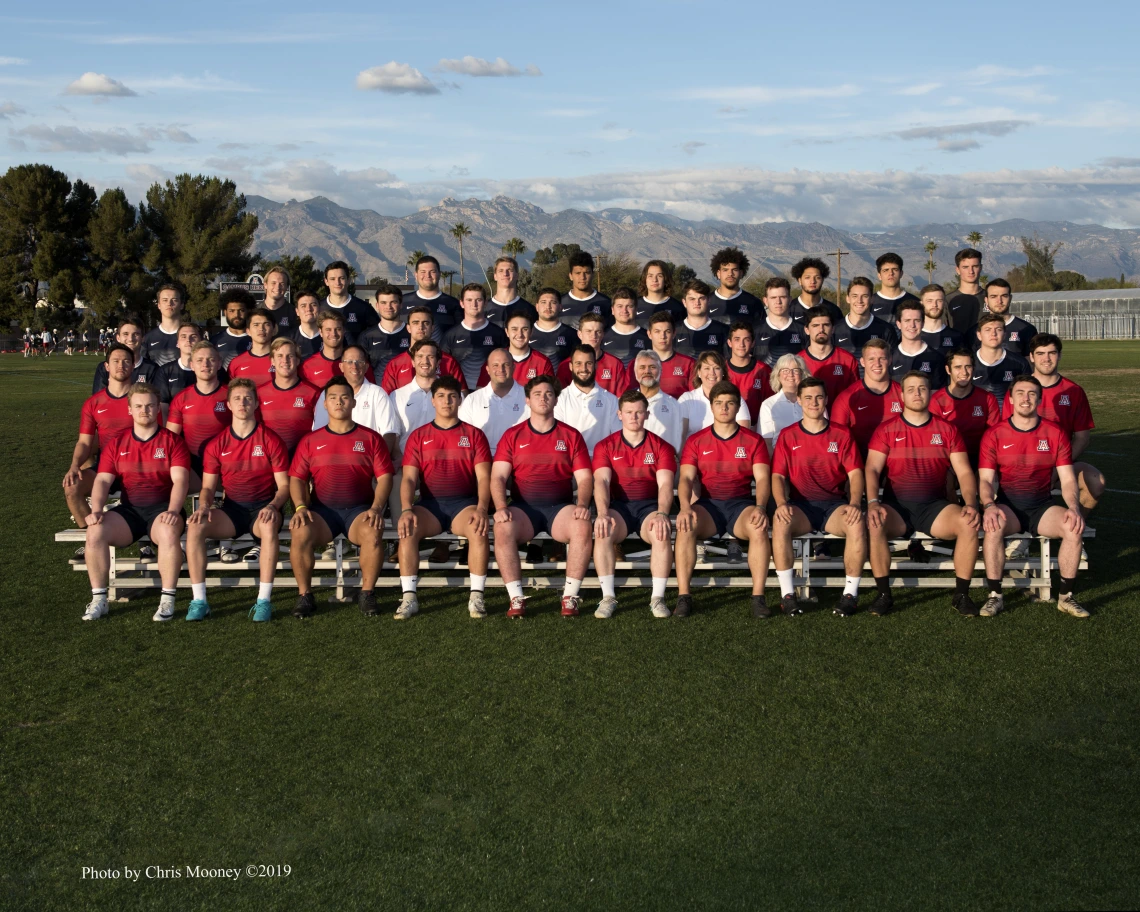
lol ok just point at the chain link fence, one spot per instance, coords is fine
(1093, 326)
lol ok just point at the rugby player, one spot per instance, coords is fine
(287, 402)
(538, 458)
(1023, 454)
(810, 273)
(130, 334)
(341, 460)
(964, 305)
(276, 301)
(837, 368)
(257, 362)
(971, 409)
(625, 338)
(609, 372)
(444, 309)
(676, 369)
(152, 466)
(505, 299)
(450, 462)
(727, 460)
(321, 367)
(730, 303)
(915, 450)
(237, 304)
(911, 352)
(782, 408)
(663, 416)
(885, 302)
(549, 335)
(814, 461)
(400, 370)
(251, 464)
(583, 298)
(356, 314)
(656, 290)
(696, 405)
(633, 490)
(528, 363)
(583, 404)
(746, 372)
(177, 374)
(777, 334)
(161, 343)
(474, 337)
(308, 331)
(860, 324)
(995, 366)
(863, 406)
(200, 412)
(936, 331)
(1018, 332)
(390, 336)
(699, 332)
(498, 405)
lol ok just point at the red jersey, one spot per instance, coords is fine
(105, 417)
(536, 364)
(446, 458)
(861, 410)
(676, 375)
(143, 466)
(246, 464)
(609, 374)
(918, 456)
(258, 368)
(1063, 403)
(754, 383)
(725, 463)
(971, 415)
(542, 464)
(1025, 460)
(838, 370)
(400, 371)
(816, 465)
(200, 416)
(288, 412)
(341, 466)
(319, 370)
(634, 468)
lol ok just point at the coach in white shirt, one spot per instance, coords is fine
(664, 418)
(782, 410)
(373, 409)
(412, 403)
(500, 404)
(584, 405)
(696, 410)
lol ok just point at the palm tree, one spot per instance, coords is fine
(975, 239)
(410, 265)
(448, 275)
(514, 247)
(930, 265)
(459, 231)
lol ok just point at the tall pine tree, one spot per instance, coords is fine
(117, 243)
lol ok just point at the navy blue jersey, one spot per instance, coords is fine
(645, 309)
(555, 343)
(625, 346)
(743, 306)
(471, 348)
(573, 308)
(930, 361)
(963, 310)
(771, 343)
(997, 378)
(945, 340)
(445, 311)
(358, 316)
(711, 337)
(884, 308)
(499, 313)
(160, 346)
(852, 339)
(382, 346)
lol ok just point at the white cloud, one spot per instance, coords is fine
(477, 66)
(924, 89)
(98, 84)
(690, 147)
(207, 82)
(227, 36)
(958, 145)
(171, 134)
(10, 109)
(990, 72)
(73, 139)
(567, 112)
(12, 61)
(396, 78)
(944, 131)
(771, 94)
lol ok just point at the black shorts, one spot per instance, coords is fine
(919, 517)
(1028, 515)
(140, 519)
(242, 515)
(339, 519)
(725, 513)
(818, 512)
(196, 465)
(541, 516)
(634, 513)
(445, 509)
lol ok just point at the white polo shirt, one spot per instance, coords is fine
(593, 414)
(695, 407)
(372, 410)
(492, 414)
(776, 413)
(664, 419)
(412, 407)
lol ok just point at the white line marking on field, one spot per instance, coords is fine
(1121, 491)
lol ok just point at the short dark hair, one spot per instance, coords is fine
(809, 382)
(1044, 340)
(118, 347)
(921, 376)
(548, 290)
(538, 381)
(818, 311)
(908, 304)
(990, 318)
(358, 347)
(326, 315)
(966, 253)
(700, 287)
(960, 352)
(422, 309)
(518, 312)
(1027, 378)
(473, 286)
(262, 312)
(581, 258)
(861, 282)
(422, 344)
(725, 388)
(662, 316)
(304, 293)
(386, 288)
(810, 263)
(591, 316)
(664, 267)
(172, 286)
(633, 395)
(426, 258)
(337, 264)
(998, 283)
(777, 282)
(875, 342)
(893, 258)
(583, 349)
(241, 383)
(128, 321)
(624, 293)
(932, 287)
(742, 324)
(728, 255)
(338, 380)
(445, 382)
(239, 295)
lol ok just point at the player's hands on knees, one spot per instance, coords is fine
(759, 519)
(581, 512)
(374, 518)
(94, 518)
(876, 516)
(659, 527)
(973, 520)
(301, 518)
(478, 522)
(686, 520)
(783, 514)
(267, 515)
(203, 514)
(604, 525)
(503, 516)
(993, 519)
(853, 514)
(406, 525)
(72, 478)
(169, 518)
(1074, 521)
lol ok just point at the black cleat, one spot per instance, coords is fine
(848, 605)
(917, 552)
(305, 606)
(760, 607)
(367, 602)
(789, 605)
(883, 604)
(965, 606)
(684, 606)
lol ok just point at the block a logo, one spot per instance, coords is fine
(649, 460)
(1042, 446)
(464, 442)
(1063, 400)
(258, 451)
(560, 446)
(833, 447)
(299, 402)
(978, 413)
(159, 453)
(358, 446)
(740, 454)
(936, 440)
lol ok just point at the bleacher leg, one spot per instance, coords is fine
(111, 596)
(805, 566)
(1043, 592)
(340, 569)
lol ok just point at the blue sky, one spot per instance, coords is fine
(740, 111)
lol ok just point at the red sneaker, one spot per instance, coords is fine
(518, 607)
(570, 606)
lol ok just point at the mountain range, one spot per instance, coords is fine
(379, 245)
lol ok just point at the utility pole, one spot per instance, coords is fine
(598, 272)
(840, 253)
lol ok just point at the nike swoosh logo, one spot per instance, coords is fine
(980, 377)
(1006, 446)
(616, 458)
(947, 413)
(430, 441)
(188, 407)
(322, 446)
(860, 408)
(706, 452)
(99, 411)
(797, 447)
(897, 439)
(460, 341)
(124, 453)
(268, 402)
(153, 344)
(523, 446)
(227, 452)
(381, 342)
(607, 343)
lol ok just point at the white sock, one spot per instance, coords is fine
(264, 592)
(607, 587)
(478, 583)
(408, 583)
(198, 591)
(99, 595)
(571, 588)
(514, 590)
(787, 580)
(660, 583)
(851, 585)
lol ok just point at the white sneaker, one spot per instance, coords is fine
(329, 553)
(1070, 605)
(606, 607)
(658, 607)
(165, 609)
(96, 609)
(475, 606)
(701, 552)
(409, 606)
(1018, 549)
(993, 605)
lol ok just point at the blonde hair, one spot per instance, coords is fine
(786, 361)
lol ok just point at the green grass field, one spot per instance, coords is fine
(920, 760)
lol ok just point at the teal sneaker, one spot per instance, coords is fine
(261, 610)
(199, 610)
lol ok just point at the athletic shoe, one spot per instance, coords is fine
(993, 605)
(441, 553)
(1018, 549)
(409, 606)
(518, 607)
(78, 556)
(96, 609)
(475, 606)
(760, 607)
(329, 553)
(305, 606)
(733, 553)
(166, 609)
(917, 552)
(658, 608)
(789, 605)
(1070, 605)
(147, 552)
(229, 556)
(253, 554)
(262, 610)
(848, 605)
(367, 602)
(570, 606)
(606, 607)
(702, 552)
(534, 553)
(883, 604)
(684, 606)
(964, 605)
(199, 610)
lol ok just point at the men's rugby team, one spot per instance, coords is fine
(589, 419)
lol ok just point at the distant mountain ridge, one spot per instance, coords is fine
(378, 244)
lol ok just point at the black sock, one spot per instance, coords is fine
(962, 586)
(994, 585)
(1065, 587)
(883, 583)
